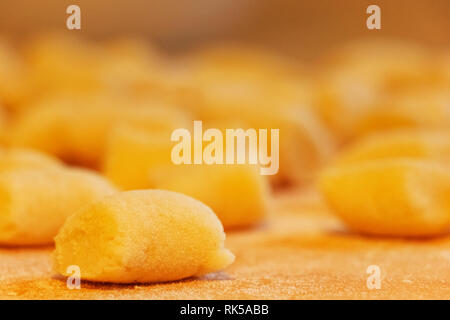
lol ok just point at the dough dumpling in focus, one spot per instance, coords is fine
(142, 236)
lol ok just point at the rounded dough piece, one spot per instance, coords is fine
(142, 236)
(358, 81)
(304, 141)
(398, 144)
(232, 83)
(420, 109)
(77, 129)
(394, 197)
(131, 154)
(238, 194)
(47, 55)
(27, 158)
(126, 65)
(35, 202)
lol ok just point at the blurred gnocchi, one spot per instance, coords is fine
(374, 117)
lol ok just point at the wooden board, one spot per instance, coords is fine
(302, 252)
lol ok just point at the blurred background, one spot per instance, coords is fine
(309, 68)
(300, 28)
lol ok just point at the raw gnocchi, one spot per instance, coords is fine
(391, 197)
(142, 236)
(35, 202)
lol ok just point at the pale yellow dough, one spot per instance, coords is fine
(27, 158)
(415, 144)
(392, 197)
(34, 203)
(76, 128)
(142, 236)
(238, 194)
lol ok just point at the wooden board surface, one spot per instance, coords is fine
(302, 252)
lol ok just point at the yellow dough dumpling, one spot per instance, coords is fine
(131, 155)
(393, 197)
(399, 144)
(237, 193)
(77, 130)
(415, 109)
(142, 236)
(35, 202)
(15, 158)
